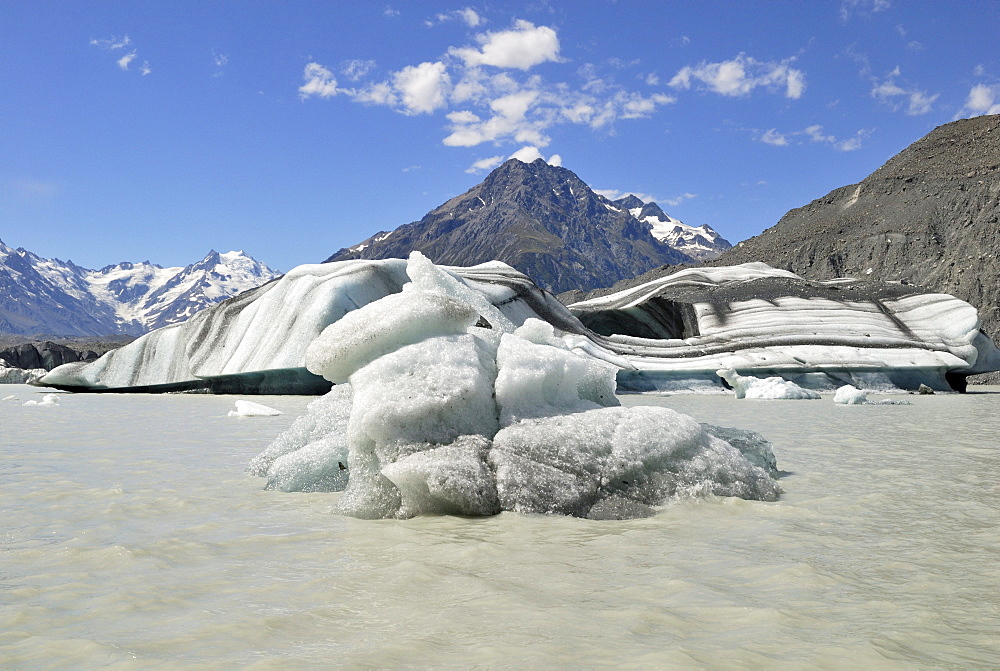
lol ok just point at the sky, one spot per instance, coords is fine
(144, 130)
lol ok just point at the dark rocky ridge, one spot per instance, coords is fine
(543, 220)
(42, 352)
(930, 216)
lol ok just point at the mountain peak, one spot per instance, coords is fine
(539, 218)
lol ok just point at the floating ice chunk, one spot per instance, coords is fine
(850, 395)
(567, 464)
(537, 380)
(449, 480)
(378, 328)
(48, 399)
(770, 388)
(251, 409)
(12, 397)
(323, 429)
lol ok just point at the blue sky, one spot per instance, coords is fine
(158, 130)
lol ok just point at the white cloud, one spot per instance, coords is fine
(319, 82)
(509, 120)
(739, 76)
(522, 48)
(677, 200)
(982, 99)
(124, 61)
(484, 164)
(115, 44)
(422, 88)
(484, 105)
(917, 102)
(390, 12)
(529, 154)
(468, 16)
(773, 137)
(816, 134)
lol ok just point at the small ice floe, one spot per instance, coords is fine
(770, 388)
(851, 395)
(12, 397)
(251, 409)
(48, 399)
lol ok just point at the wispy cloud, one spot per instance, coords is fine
(741, 75)
(849, 8)
(913, 100)
(468, 16)
(810, 134)
(615, 194)
(115, 45)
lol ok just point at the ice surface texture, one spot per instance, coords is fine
(437, 415)
(669, 334)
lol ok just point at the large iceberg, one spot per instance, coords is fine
(436, 410)
(673, 333)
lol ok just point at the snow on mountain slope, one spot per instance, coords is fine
(699, 242)
(50, 296)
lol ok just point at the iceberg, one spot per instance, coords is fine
(47, 400)
(434, 413)
(771, 388)
(250, 409)
(671, 334)
(851, 395)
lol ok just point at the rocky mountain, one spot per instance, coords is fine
(53, 297)
(546, 222)
(930, 216)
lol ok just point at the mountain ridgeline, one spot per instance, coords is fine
(547, 223)
(40, 296)
(930, 216)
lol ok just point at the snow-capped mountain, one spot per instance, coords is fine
(548, 223)
(701, 243)
(49, 296)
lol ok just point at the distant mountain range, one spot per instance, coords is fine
(930, 217)
(41, 296)
(546, 222)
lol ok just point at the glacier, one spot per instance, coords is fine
(447, 416)
(670, 334)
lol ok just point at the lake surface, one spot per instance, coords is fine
(130, 536)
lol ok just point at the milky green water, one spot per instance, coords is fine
(130, 536)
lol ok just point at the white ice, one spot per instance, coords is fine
(252, 409)
(851, 395)
(770, 388)
(47, 400)
(435, 415)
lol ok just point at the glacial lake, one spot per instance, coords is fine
(131, 537)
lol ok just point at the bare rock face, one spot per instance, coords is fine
(542, 220)
(929, 217)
